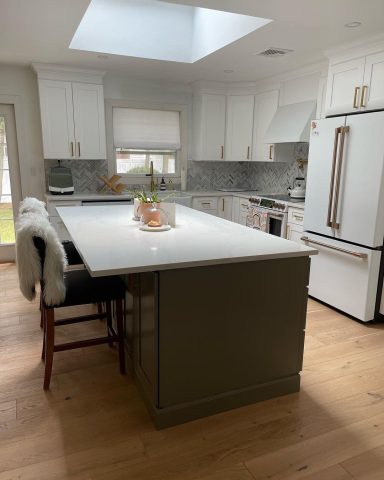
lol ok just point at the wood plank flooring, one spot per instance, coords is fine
(92, 424)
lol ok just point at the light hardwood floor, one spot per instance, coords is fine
(92, 424)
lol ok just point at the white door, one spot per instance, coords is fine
(56, 108)
(320, 161)
(373, 85)
(361, 198)
(344, 86)
(10, 188)
(88, 104)
(239, 128)
(212, 127)
(265, 108)
(344, 279)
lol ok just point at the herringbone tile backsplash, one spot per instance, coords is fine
(269, 177)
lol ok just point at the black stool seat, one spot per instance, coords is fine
(82, 289)
(73, 256)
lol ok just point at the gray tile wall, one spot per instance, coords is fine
(85, 173)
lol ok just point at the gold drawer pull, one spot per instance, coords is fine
(363, 92)
(298, 217)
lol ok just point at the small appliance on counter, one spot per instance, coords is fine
(298, 189)
(60, 181)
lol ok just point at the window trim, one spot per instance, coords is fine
(181, 175)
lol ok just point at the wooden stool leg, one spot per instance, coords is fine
(100, 308)
(120, 333)
(108, 309)
(49, 345)
(43, 315)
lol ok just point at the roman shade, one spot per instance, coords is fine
(146, 129)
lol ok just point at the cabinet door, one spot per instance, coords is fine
(209, 122)
(373, 85)
(88, 102)
(239, 128)
(265, 108)
(224, 209)
(294, 232)
(56, 109)
(344, 86)
(235, 209)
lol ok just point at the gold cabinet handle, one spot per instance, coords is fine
(363, 92)
(222, 152)
(223, 204)
(270, 152)
(288, 232)
(72, 149)
(332, 247)
(78, 148)
(248, 152)
(355, 104)
(298, 217)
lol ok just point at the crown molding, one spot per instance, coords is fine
(50, 71)
(357, 48)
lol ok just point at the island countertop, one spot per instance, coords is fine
(110, 241)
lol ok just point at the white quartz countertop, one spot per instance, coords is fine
(110, 241)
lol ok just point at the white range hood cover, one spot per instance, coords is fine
(291, 123)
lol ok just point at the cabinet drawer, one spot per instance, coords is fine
(51, 207)
(296, 215)
(205, 203)
(58, 225)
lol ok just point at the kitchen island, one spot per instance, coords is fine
(219, 309)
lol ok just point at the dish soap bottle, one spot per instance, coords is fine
(163, 185)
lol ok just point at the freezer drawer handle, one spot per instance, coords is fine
(350, 252)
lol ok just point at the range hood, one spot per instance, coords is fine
(291, 123)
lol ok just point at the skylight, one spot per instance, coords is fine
(158, 30)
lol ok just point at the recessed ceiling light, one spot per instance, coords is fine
(228, 71)
(102, 57)
(352, 24)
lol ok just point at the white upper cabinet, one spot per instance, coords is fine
(265, 108)
(356, 85)
(373, 84)
(88, 103)
(239, 127)
(56, 108)
(344, 86)
(72, 113)
(209, 127)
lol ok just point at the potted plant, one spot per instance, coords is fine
(144, 203)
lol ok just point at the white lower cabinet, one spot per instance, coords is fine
(56, 220)
(205, 204)
(295, 224)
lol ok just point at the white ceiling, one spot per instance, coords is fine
(41, 31)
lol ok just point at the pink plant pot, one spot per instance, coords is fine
(144, 210)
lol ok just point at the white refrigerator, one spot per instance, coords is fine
(344, 212)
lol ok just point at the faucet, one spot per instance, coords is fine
(151, 175)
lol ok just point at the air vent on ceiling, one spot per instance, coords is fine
(273, 52)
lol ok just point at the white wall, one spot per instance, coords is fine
(21, 82)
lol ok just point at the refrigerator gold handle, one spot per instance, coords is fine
(336, 225)
(332, 182)
(332, 247)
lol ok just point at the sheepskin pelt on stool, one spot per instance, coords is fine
(33, 224)
(32, 205)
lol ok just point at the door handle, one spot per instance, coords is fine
(363, 92)
(332, 247)
(222, 151)
(78, 148)
(248, 152)
(72, 150)
(270, 152)
(223, 204)
(355, 104)
(332, 182)
(336, 225)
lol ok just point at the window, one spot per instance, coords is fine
(142, 136)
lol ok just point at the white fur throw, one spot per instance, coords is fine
(32, 205)
(36, 224)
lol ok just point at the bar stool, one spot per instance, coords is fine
(79, 289)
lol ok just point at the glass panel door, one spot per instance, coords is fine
(10, 188)
(7, 229)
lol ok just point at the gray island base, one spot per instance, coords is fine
(208, 339)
